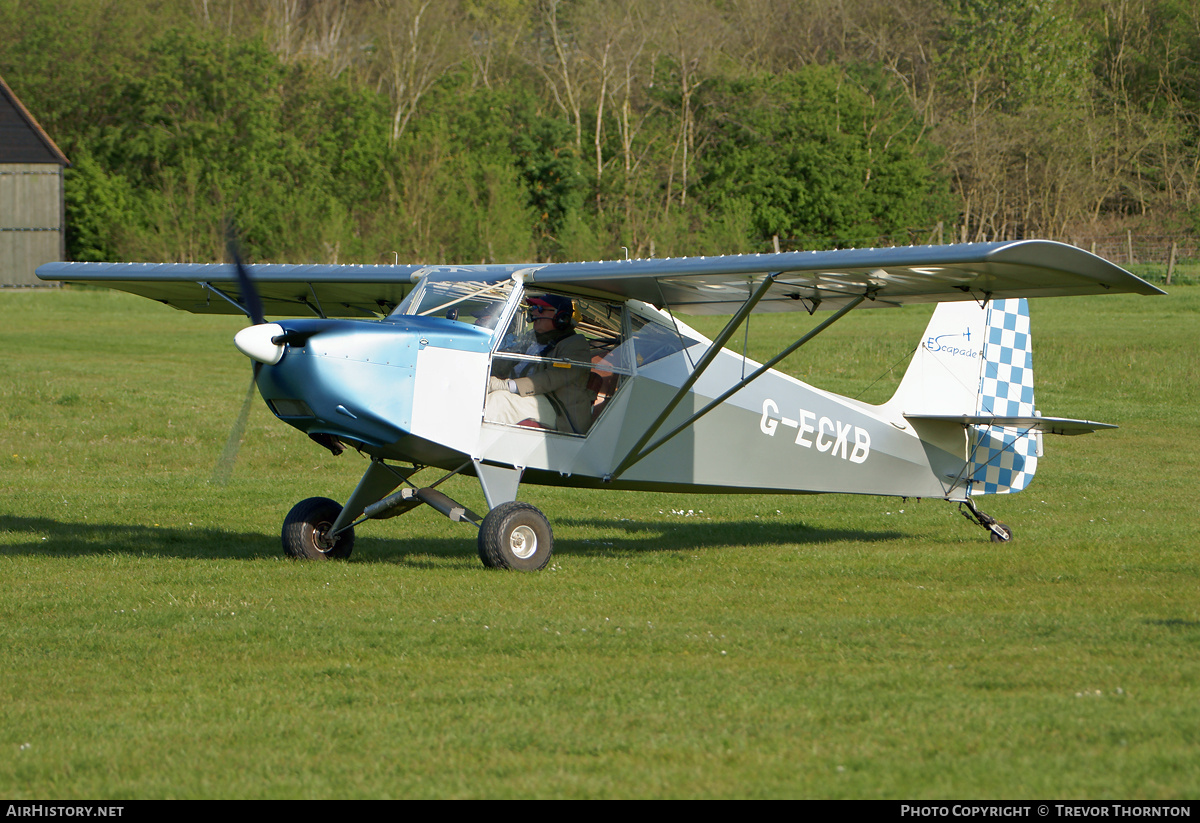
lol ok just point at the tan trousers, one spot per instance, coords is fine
(505, 407)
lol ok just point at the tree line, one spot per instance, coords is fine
(500, 130)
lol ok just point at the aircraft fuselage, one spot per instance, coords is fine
(413, 389)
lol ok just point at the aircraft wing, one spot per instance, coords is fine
(802, 281)
(830, 279)
(286, 290)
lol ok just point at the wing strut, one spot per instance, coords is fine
(319, 309)
(761, 370)
(207, 286)
(210, 287)
(718, 343)
(635, 456)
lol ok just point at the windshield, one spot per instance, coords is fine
(467, 301)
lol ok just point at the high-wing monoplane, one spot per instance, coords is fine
(582, 374)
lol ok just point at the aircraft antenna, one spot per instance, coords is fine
(906, 356)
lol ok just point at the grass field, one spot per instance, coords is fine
(155, 643)
(1186, 273)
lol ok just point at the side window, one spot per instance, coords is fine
(554, 366)
(650, 341)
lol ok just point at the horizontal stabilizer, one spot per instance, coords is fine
(1047, 425)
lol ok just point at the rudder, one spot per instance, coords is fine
(978, 361)
(1004, 459)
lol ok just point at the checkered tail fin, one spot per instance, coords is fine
(1003, 458)
(974, 365)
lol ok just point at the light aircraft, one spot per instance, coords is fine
(582, 374)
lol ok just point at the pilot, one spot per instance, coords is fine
(549, 393)
(489, 315)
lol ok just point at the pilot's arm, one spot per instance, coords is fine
(556, 377)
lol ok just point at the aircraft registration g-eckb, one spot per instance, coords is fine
(582, 374)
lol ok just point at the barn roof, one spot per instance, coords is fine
(22, 140)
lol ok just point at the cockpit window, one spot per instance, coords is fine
(552, 369)
(598, 322)
(653, 341)
(467, 301)
(650, 340)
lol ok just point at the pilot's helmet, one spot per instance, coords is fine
(564, 308)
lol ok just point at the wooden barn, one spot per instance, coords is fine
(32, 209)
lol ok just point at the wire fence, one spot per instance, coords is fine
(1169, 259)
(1132, 249)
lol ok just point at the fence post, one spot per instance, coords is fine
(1171, 262)
(1129, 245)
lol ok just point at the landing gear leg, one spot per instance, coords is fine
(513, 535)
(999, 532)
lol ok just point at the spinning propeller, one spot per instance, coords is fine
(258, 341)
(264, 343)
(255, 341)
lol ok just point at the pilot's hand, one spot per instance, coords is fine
(497, 384)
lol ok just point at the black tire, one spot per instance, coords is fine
(1001, 538)
(306, 528)
(515, 536)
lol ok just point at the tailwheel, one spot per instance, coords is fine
(998, 532)
(306, 531)
(515, 536)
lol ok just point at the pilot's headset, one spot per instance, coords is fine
(564, 309)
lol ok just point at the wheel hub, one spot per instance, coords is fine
(523, 542)
(321, 540)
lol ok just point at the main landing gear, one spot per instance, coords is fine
(998, 532)
(515, 536)
(512, 535)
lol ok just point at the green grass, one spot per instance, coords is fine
(154, 642)
(1186, 273)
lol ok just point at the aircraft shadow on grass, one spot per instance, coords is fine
(686, 534)
(45, 537)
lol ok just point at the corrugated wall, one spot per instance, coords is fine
(31, 221)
